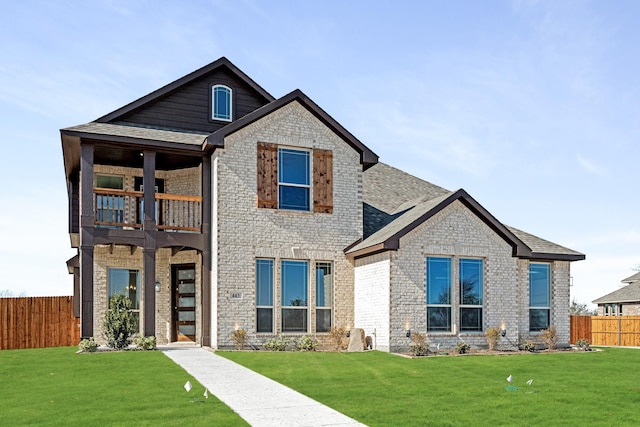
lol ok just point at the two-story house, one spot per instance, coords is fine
(215, 206)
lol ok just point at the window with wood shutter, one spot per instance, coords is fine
(268, 181)
(267, 175)
(322, 181)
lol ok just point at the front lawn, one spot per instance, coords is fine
(55, 386)
(379, 389)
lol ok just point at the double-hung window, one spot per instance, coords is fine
(539, 296)
(294, 178)
(470, 275)
(295, 288)
(264, 295)
(324, 296)
(438, 294)
(127, 283)
(221, 103)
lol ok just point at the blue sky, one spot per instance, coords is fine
(530, 106)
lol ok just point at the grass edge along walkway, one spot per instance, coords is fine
(55, 386)
(379, 389)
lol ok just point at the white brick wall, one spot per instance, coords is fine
(243, 232)
(372, 298)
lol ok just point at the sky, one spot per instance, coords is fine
(531, 106)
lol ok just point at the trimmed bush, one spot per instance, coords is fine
(306, 343)
(88, 346)
(145, 343)
(277, 344)
(462, 347)
(119, 323)
(419, 345)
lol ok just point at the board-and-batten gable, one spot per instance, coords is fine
(267, 184)
(187, 102)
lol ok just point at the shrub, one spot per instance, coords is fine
(306, 343)
(462, 347)
(277, 344)
(419, 345)
(339, 338)
(583, 345)
(145, 343)
(549, 337)
(493, 337)
(528, 345)
(88, 346)
(239, 338)
(119, 323)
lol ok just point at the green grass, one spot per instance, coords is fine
(58, 387)
(378, 389)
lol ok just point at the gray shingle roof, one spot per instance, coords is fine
(633, 278)
(629, 293)
(398, 202)
(541, 246)
(140, 132)
(392, 190)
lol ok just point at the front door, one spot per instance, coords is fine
(184, 302)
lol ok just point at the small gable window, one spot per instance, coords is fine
(221, 103)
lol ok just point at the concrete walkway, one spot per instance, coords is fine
(257, 399)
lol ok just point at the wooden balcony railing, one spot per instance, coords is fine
(125, 209)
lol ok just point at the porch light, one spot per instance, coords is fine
(348, 334)
(408, 333)
(503, 332)
(157, 286)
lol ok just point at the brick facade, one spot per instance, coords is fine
(243, 232)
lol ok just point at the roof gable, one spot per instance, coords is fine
(367, 157)
(186, 102)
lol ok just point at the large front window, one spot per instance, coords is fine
(295, 285)
(539, 296)
(470, 274)
(127, 283)
(324, 296)
(264, 295)
(294, 176)
(438, 294)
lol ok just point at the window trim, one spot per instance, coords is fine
(213, 103)
(548, 291)
(306, 307)
(325, 307)
(451, 299)
(461, 305)
(309, 176)
(271, 262)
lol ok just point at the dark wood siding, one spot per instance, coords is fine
(74, 203)
(322, 181)
(190, 107)
(267, 175)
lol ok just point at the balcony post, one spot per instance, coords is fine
(149, 250)
(87, 226)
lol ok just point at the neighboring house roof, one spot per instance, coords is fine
(629, 293)
(181, 82)
(409, 201)
(632, 279)
(367, 157)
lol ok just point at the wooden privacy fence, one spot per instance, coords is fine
(37, 322)
(606, 330)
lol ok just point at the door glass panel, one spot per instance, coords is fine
(187, 316)
(187, 329)
(186, 274)
(186, 302)
(187, 288)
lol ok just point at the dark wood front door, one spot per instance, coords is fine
(184, 302)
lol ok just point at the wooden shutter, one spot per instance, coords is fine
(267, 175)
(322, 181)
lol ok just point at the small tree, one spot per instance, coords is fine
(119, 323)
(579, 309)
(549, 337)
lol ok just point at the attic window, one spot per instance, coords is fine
(221, 103)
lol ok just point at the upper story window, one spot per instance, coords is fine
(287, 177)
(293, 179)
(539, 296)
(221, 103)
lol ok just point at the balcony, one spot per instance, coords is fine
(124, 209)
